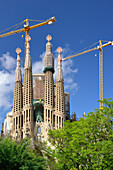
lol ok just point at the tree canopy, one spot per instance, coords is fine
(84, 144)
(23, 155)
(87, 143)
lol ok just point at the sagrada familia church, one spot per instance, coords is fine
(39, 104)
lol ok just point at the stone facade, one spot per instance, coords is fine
(38, 86)
(39, 104)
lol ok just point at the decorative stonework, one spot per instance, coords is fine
(34, 113)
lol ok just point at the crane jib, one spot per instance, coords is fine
(27, 28)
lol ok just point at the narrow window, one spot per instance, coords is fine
(39, 130)
(29, 114)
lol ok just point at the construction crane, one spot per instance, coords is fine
(27, 28)
(99, 47)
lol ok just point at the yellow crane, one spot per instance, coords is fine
(27, 28)
(100, 65)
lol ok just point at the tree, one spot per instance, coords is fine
(21, 155)
(87, 143)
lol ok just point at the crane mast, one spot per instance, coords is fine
(100, 65)
(100, 74)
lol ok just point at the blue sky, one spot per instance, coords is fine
(78, 24)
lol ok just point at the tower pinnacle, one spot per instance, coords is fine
(59, 50)
(27, 58)
(17, 100)
(18, 51)
(27, 113)
(59, 71)
(59, 100)
(18, 69)
(48, 58)
(49, 38)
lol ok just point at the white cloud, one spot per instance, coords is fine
(68, 80)
(6, 88)
(72, 88)
(68, 70)
(67, 67)
(38, 66)
(7, 83)
(7, 61)
(7, 80)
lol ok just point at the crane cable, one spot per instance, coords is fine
(84, 48)
(36, 20)
(12, 26)
(20, 24)
(87, 47)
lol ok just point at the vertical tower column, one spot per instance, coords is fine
(17, 100)
(28, 126)
(59, 100)
(49, 85)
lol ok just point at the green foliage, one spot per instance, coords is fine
(21, 155)
(87, 143)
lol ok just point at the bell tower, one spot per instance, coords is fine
(59, 100)
(17, 100)
(49, 85)
(28, 117)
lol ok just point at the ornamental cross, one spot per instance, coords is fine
(49, 38)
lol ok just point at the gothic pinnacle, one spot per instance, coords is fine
(59, 50)
(59, 70)
(27, 57)
(18, 51)
(48, 58)
(28, 38)
(49, 38)
(18, 69)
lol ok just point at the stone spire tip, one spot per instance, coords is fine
(49, 38)
(59, 50)
(18, 51)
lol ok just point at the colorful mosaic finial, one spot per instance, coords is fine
(49, 38)
(18, 51)
(28, 38)
(59, 50)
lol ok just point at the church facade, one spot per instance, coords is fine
(39, 104)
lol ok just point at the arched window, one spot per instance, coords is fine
(39, 130)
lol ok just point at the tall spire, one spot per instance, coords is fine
(59, 97)
(27, 57)
(48, 58)
(59, 71)
(49, 85)
(17, 101)
(28, 116)
(18, 76)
